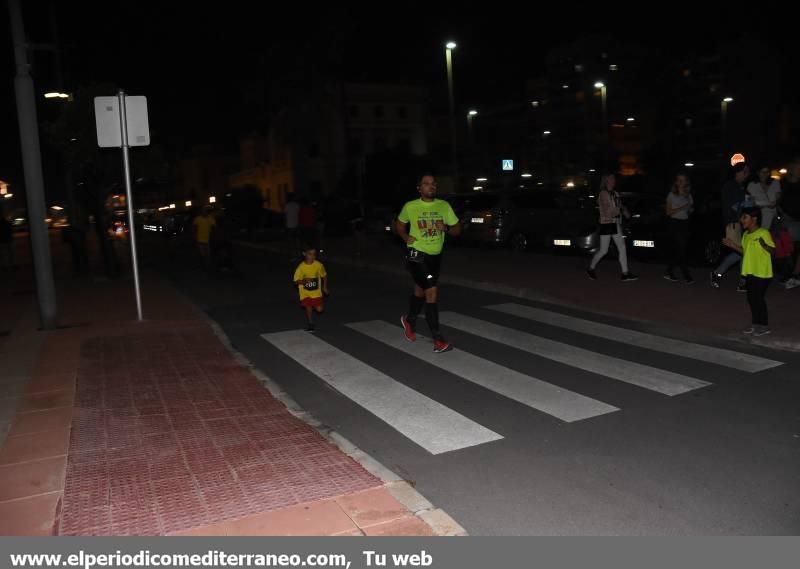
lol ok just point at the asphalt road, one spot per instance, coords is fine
(536, 423)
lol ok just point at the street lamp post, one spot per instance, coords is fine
(603, 98)
(723, 113)
(450, 46)
(34, 179)
(472, 154)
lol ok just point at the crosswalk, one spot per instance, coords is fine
(416, 416)
(438, 429)
(719, 356)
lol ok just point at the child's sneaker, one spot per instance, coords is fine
(761, 331)
(793, 282)
(440, 346)
(310, 328)
(408, 328)
(749, 331)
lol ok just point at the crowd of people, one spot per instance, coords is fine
(761, 218)
(760, 215)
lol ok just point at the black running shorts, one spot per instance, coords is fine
(424, 269)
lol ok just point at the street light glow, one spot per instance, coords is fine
(783, 171)
(56, 207)
(481, 179)
(727, 100)
(476, 188)
(526, 175)
(535, 103)
(689, 164)
(188, 203)
(472, 113)
(450, 45)
(546, 132)
(6, 196)
(172, 206)
(630, 119)
(56, 95)
(212, 199)
(599, 85)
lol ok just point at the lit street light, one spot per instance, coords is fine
(56, 95)
(453, 142)
(723, 112)
(603, 96)
(470, 115)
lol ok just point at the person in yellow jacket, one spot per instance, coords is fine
(311, 281)
(756, 248)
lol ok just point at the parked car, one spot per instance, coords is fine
(648, 232)
(537, 217)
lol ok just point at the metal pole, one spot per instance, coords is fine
(453, 141)
(123, 118)
(34, 180)
(606, 142)
(723, 112)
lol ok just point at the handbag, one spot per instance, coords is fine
(733, 232)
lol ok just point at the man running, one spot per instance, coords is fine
(429, 219)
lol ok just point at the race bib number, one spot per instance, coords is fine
(312, 284)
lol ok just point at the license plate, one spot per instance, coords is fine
(646, 244)
(562, 242)
(477, 220)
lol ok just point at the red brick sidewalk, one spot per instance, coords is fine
(153, 428)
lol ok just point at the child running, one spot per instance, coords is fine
(311, 281)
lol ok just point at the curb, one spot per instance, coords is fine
(535, 296)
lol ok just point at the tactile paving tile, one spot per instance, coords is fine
(170, 433)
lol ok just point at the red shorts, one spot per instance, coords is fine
(312, 302)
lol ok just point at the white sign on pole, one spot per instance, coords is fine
(106, 112)
(508, 165)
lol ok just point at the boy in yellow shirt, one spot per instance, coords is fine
(756, 249)
(311, 281)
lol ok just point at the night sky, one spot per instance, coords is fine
(202, 67)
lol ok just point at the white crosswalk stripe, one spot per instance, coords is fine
(546, 397)
(431, 425)
(661, 381)
(710, 354)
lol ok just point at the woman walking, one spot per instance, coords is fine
(678, 208)
(611, 212)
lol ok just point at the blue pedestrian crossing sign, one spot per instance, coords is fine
(508, 165)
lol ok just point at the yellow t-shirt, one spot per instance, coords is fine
(314, 271)
(204, 225)
(756, 260)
